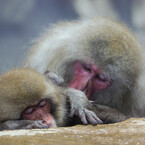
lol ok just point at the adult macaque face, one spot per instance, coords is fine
(89, 78)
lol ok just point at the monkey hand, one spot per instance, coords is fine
(23, 124)
(79, 106)
(57, 80)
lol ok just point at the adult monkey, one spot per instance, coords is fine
(99, 57)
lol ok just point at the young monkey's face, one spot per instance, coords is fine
(41, 111)
(28, 95)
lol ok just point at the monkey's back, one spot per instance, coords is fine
(70, 40)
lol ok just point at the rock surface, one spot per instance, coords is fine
(131, 131)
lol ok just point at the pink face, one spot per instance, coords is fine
(89, 78)
(41, 111)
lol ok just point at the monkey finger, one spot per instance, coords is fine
(82, 116)
(73, 112)
(99, 121)
(92, 117)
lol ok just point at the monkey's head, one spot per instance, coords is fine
(25, 94)
(106, 60)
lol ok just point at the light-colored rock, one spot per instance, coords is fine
(131, 131)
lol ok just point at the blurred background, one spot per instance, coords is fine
(21, 21)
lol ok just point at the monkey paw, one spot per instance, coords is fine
(23, 124)
(37, 124)
(80, 105)
(86, 116)
(57, 80)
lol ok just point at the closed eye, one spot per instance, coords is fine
(29, 110)
(42, 103)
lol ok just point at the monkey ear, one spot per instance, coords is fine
(54, 78)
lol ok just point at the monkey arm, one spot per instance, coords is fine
(81, 107)
(108, 114)
(22, 124)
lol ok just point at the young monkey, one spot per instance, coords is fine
(30, 100)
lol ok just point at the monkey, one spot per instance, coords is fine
(99, 57)
(30, 100)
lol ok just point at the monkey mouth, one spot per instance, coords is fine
(87, 88)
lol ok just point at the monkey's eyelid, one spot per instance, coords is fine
(29, 110)
(42, 103)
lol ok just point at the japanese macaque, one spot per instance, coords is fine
(30, 100)
(100, 57)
